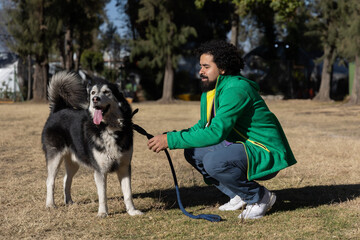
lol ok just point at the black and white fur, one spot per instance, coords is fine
(71, 136)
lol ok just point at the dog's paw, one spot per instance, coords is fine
(135, 212)
(102, 215)
(69, 202)
(50, 205)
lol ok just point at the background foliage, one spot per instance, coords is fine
(160, 33)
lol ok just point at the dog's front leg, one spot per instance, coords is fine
(125, 182)
(100, 180)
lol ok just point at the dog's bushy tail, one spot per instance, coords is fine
(66, 90)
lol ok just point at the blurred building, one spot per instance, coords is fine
(281, 69)
(288, 70)
(9, 66)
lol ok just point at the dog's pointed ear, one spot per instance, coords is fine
(89, 84)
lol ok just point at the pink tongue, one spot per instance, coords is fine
(97, 117)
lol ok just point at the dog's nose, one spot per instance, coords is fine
(96, 99)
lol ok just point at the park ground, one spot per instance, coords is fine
(318, 198)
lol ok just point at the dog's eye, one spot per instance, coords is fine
(107, 92)
(92, 92)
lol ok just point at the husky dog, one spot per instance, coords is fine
(88, 126)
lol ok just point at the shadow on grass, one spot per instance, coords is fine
(190, 196)
(314, 196)
(287, 199)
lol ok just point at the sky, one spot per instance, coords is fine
(117, 18)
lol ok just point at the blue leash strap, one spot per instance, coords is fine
(209, 217)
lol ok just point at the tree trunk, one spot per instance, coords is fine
(29, 77)
(69, 63)
(40, 81)
(77, 60)
(234, 29)
(355, 92)
(60, 46)
(45, 76)
(167, 95)
(42, 64)
(326, 75)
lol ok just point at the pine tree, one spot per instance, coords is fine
(80, 22)
(163, 39)
(325, 24)
(38, 25)
(33, 28)
(265, 11)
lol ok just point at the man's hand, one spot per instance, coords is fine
(158, 143)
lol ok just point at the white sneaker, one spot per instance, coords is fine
(258, 210)
(234, 204)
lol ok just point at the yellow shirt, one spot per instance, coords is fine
(210, 102)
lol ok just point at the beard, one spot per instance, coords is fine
(207, 85)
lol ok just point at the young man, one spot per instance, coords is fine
(237, 140)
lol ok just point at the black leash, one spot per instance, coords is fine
(209, 217)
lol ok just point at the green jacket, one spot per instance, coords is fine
(241, 116)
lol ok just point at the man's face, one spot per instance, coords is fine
(209, 72)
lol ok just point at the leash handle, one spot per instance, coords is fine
(209, 217)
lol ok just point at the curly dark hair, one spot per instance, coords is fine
(226, 56)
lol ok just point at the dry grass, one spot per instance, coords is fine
(318, 198)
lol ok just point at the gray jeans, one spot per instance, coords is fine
(225, 166)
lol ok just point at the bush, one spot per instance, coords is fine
(92, 61)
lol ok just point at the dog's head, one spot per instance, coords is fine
(107, 104)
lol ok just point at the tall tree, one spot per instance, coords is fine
(80, 20)
(131, 9)
(233, 16)
(325, 24)
(265, 11)
(349, 42)
(296, 32)
(162, 40)
(210, 23)
(34, 28)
